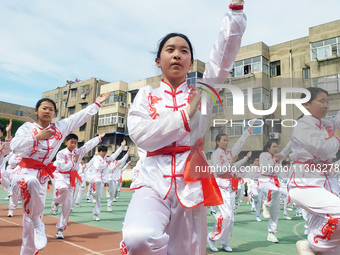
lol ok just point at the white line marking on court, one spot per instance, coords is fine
(268, 252)
(104, 251)
(70, 243)
(295, 230)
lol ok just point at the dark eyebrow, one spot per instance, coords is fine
(172, 46)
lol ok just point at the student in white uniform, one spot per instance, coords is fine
(253, 187)
(228, 184)
(166, 214)
(66, 177)
(270, 165)
(315, 142)
(37, 143)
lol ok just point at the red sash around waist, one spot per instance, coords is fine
(73, 176)
(211, 192)
(35, 164)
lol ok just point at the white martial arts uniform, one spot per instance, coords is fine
(99, 177)
(30, 177)
(114, 177)
(224, 224)
(166, 214)
(6, 150)
(269, 184)
(80, 186)
(253, 189)
(66, 176)
(314, 146)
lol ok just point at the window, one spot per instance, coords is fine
(83, 127)
(64, 103)
(133, 95)
(275, 68)
(306, 73)
(116, 96)
(83, 105)
(257, 129)
(56, 97)
(192, 77)
(250, 65)
(18, 113)
(331, 114)
(218, 108)
(72, 109)
(229, 99)
(237, 128)
(215, 131)
(65, 92)
(257, 95)
(325, 49)
(73, 93)
(111, 118)
(108, 139)
(278, 95)
(329, 83)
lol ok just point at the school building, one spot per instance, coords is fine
(265, 75)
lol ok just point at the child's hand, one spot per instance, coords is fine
(8, 128)
(194, 103)
(123, 143)
(102, 98)
(102, 135)
(2, 146)
(75, 158)
(44, 134)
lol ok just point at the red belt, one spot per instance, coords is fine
(211, 192)
(73, 176)
(35, 164)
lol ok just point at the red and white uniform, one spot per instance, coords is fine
(6, 150)
(253, 188)
(314, 146)
(99, 176)
(32, 180)
(13, 162)
(80, 188)
(114, 177)
(269, 184)
(66, 177)
(224, 224)
(166, 214)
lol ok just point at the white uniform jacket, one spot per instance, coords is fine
(221, 159)
(25, 144)
(65, 163)
(6, 150)
(158, 119)
(314, 146)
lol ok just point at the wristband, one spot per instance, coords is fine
(235, 7)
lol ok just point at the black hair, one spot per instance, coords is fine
(218, 138)
(48, 100)
(268, 145)
(314, 92)
(2, 128)
(71, 136)
(170, 35)
(102, 148)
(285, 163)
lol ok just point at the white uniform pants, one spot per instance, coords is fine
(323, 210)
(273, 203)
(224, 224)
(113, 190)
(97, 192)
(79, 193)
(63, 195)
(33, 194)
(154, 226)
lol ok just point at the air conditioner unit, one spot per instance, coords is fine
(120, 125)
(82, 95)
(122, 104)
(274, 135)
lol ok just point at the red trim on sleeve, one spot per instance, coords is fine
(8, 140)
(185, 120)
(235, 7)
(249, 131)
(97, 104)
(338, 140)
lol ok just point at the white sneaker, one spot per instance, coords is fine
(96, 218)
(299, 214)
(59, 234)
(114, 200)
(109, 208)
(93, 199)
(40, 239)
(211, 244)
(78, 205)
(302, 248)
(6, 198)
(258, 219)
(265, 212)
(272, 238)
(54, 208)
(10, 213)
(252, 209)
(226, 247)
(88, 200)
(289, 209)
(287, 217)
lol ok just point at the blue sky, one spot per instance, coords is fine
(45, 43)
